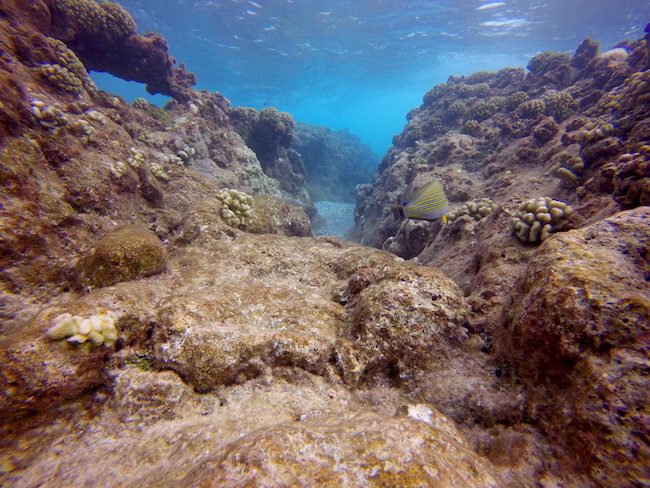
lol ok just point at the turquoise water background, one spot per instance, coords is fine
(362, 65)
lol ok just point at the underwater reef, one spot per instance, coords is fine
(560, 154)
(167, 318)
(335, 162)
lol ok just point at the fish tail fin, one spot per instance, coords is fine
(444, 219)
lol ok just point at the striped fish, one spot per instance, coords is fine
(427, 203)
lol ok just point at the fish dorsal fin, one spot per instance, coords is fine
(433, 186)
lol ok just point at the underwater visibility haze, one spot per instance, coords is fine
(363, 244)
(362, 65)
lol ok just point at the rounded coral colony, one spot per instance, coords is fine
(537, 218)
(98, 329)
(237, 208)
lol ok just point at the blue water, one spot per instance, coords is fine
(363, 64)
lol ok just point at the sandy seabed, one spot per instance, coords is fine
(336, 218)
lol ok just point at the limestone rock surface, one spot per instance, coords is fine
(248, 347)
(364, 450)
(264, 356)
(577, 334)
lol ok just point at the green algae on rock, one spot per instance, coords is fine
(125, 254)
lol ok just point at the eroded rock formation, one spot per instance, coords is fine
(104, 37)
(248, 352)
(269, 133)
(576, 332)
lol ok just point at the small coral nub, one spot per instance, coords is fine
(98, 328)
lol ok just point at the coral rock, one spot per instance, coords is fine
(632, 178)
(532, 108)
(547, 61)
(545, 130)
(392, 344)
(366, 450)
(577, 332)
(237, 207)
(103, 37)
(125, 254)
(569, 169)
(274, 216)
(478, 209)
(537, 218)
(37, 374)
(587, 50)
(99, 329)
(410, 239)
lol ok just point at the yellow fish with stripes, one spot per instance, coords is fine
(426, 203)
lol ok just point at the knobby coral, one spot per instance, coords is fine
(569, 169)
(97, 329)
(537, 218)
(477, 209)
(237, 207)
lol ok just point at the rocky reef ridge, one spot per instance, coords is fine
(554, 155)
(335, 162)
(166, 318)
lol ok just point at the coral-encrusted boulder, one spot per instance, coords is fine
(410, 239)
(577, 334)
(274, 216)
(37, 374)
(130, 252)
(270, 216)
(402, 320)
(586, 51)
(544, 130)
(269, 133)
(364, 450)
